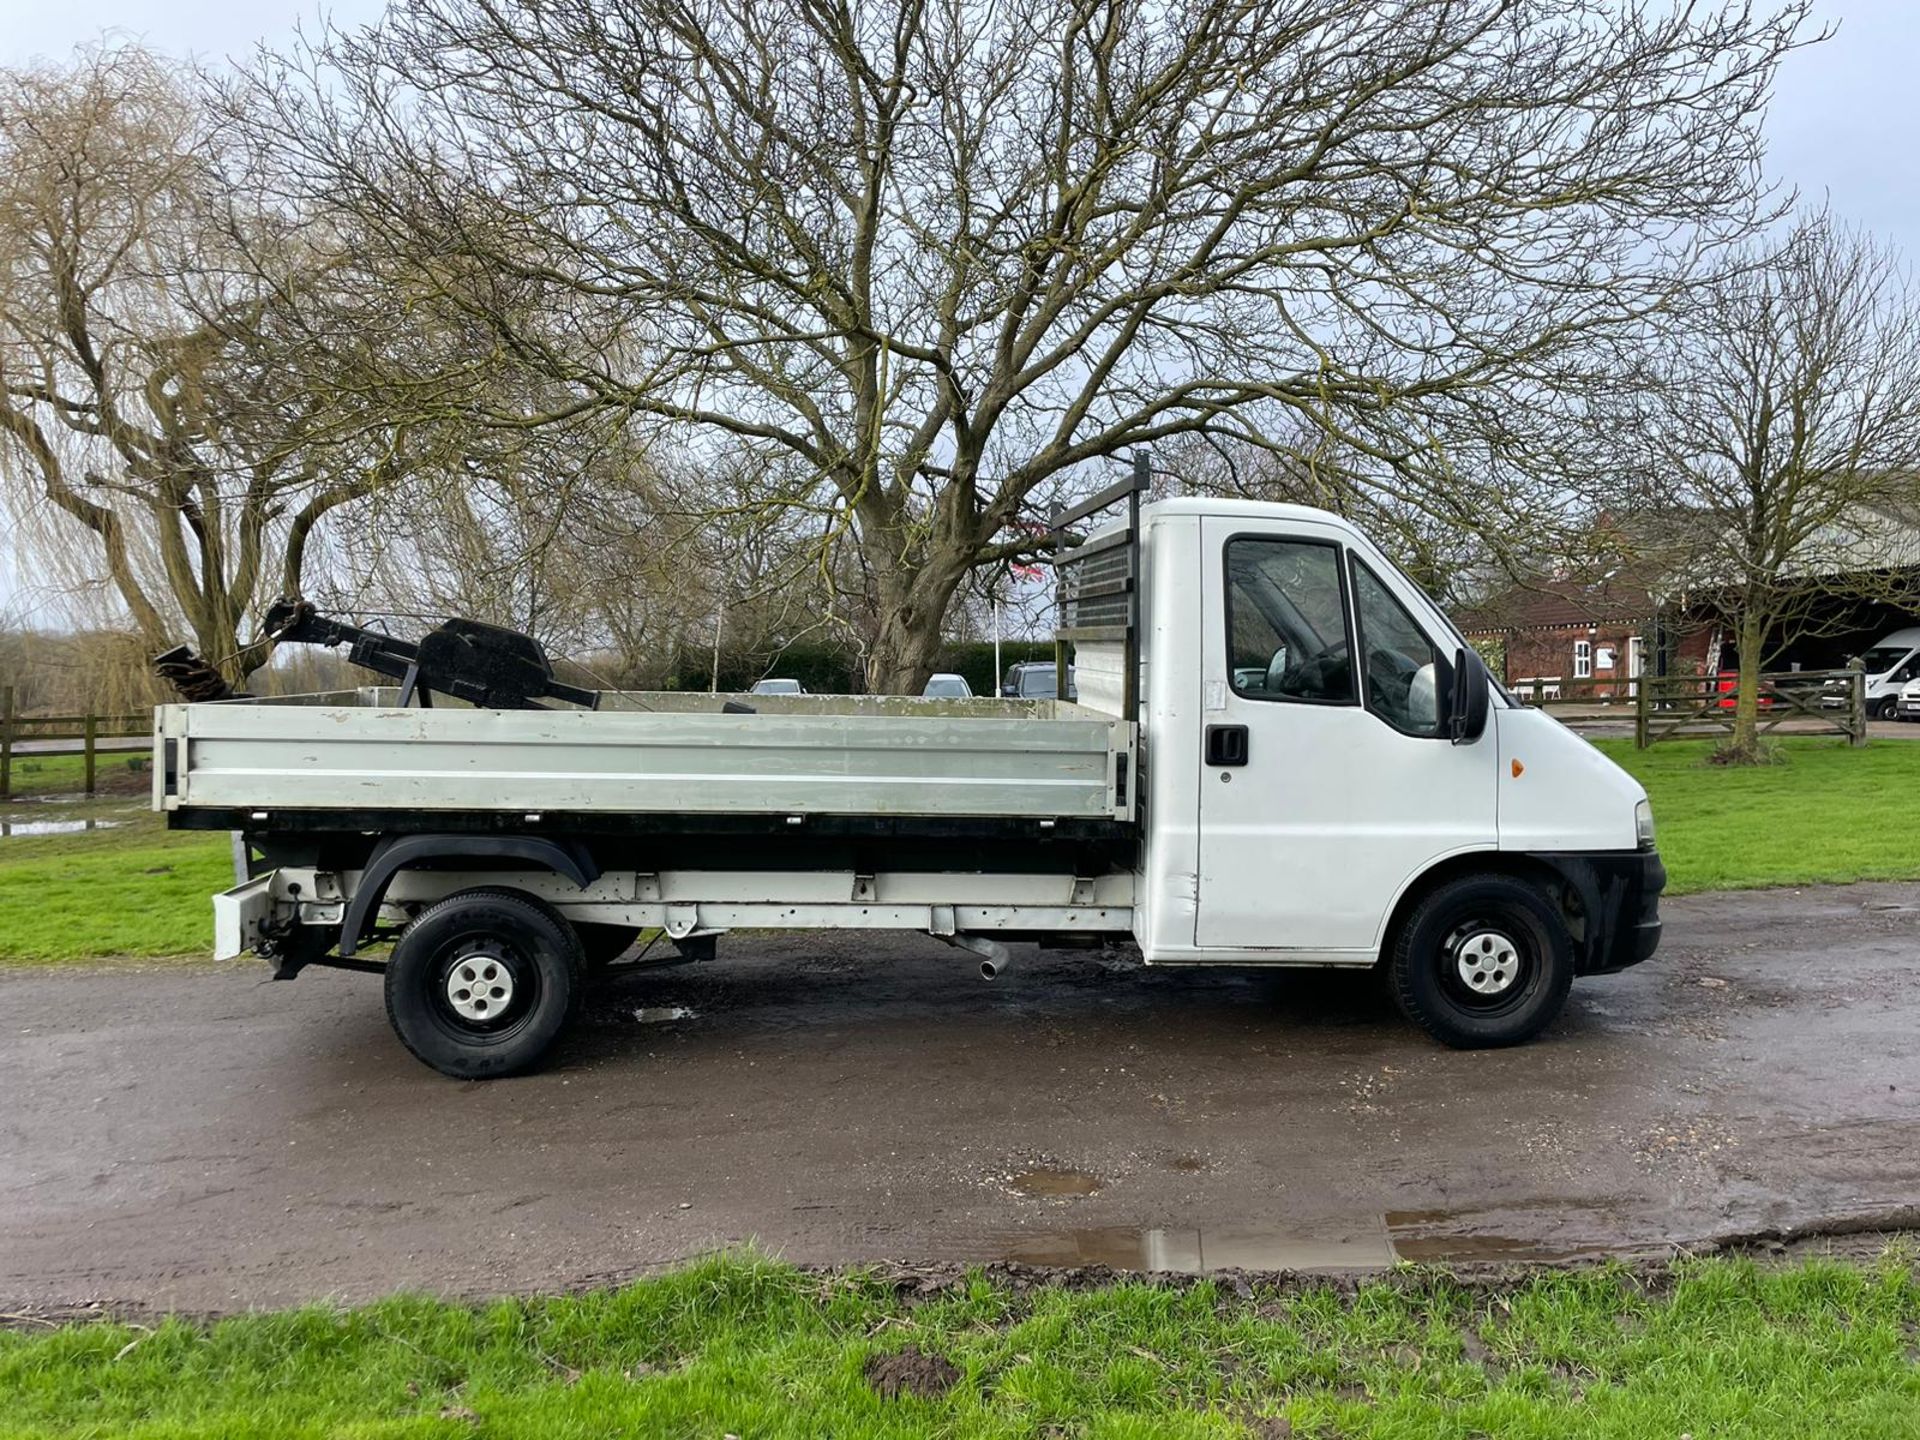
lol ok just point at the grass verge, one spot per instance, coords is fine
(744, 1346)
(130, 890)
(119, 772)
(1827, 813)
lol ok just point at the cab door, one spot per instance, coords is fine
(1325, 783)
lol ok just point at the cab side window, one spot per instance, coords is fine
(1287, 622)
(1396, 658)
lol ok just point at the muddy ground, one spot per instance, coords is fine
(191, 1137)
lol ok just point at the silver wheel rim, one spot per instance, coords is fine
(479, 988)
(1487, 961)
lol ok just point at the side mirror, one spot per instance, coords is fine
(1467, 688)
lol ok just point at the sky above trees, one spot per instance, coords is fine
(1839, 126)
(1836, 132)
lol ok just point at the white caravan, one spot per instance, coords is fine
(1283, 753)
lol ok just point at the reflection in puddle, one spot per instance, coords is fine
(661, 1014)
(9, 828)
(1447, 1236)
(1466, 1249)
(1054, 1184)
(1195, 1252)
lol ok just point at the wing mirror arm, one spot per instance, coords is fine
(1464, 692)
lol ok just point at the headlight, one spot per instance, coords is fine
(1643, 824)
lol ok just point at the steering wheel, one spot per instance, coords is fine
(1309, 677)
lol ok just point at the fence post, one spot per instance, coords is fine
(1641, 706)
(90, 730)
(6, 744)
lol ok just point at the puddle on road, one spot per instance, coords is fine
(662, 1014)
(1196, 1252)
(1372, 1242)
(1440, 1236)
(12, 828)
(1485, 1249)
(1054, 1184)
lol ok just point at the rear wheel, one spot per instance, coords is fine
(1484, 960)
(483, 982)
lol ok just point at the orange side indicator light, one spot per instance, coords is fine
(1518, 769)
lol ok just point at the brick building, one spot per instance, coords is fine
(1861, 579)
(1555, 631)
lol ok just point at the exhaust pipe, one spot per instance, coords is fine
(993, 955)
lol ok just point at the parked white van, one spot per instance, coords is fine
(1890, 664)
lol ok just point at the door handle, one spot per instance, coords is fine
(1226, 744)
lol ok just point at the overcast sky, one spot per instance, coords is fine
(1841, 126)
(1842, 122)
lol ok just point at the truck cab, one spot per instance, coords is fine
(1308, 794)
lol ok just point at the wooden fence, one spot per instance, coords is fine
(1673, 707)
(81, 735)
(1676, 707)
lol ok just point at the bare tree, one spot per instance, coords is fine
(1784, 430)
(948, 256)
(193, 375)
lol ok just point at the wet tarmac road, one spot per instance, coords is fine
(190, 1137)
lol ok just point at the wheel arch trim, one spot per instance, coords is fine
(394, 853)
(1517, 864)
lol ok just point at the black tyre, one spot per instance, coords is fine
(483, 982)
(604, 944)
(1484, 960)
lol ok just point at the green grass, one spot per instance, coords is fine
(741, 1345)
(114, 771)
(1827, 814)
(134, 890)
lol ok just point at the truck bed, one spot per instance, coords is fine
(648, 754)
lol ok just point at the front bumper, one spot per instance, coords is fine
(1619, 900)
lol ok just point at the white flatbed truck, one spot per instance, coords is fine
(1283, 754)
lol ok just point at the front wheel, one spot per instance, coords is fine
(483, 982)
(1483, 961)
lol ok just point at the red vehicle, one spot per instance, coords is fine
(1729, 691)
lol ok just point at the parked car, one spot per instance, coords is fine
(1908, 705)
(1036, 680)
(1728, 689)
(778, 685)
(948, 687)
